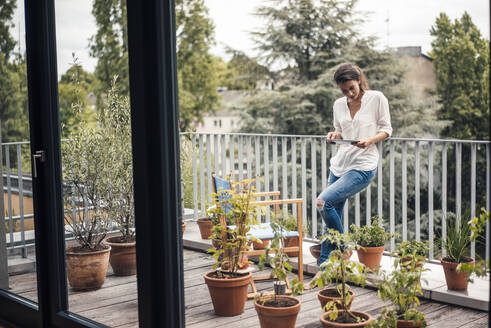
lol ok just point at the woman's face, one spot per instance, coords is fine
(351, 89)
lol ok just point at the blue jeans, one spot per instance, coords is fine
(338, 190)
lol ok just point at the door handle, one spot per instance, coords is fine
(38, 155)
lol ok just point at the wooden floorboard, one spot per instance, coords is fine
(116, 303)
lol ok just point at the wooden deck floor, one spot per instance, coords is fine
(115, 304)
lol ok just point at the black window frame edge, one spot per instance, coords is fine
(156, 168)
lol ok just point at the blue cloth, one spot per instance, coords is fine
(222, 185)
(264, 231)
(338, 190)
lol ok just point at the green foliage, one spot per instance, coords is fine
(195, 65)
(412, 248)
(110, 44)
(114, 119)
(7, 43)
(279, 262)
(340, 269)
(370, 236)
(461, 61)
(402, 287)
(235, 205)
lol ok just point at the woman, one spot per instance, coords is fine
(361, 115)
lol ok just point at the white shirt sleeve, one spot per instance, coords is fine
(383, 116)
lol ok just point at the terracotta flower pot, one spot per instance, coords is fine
(123, 256)
(315, 250)
(292, 242)
(278, 317)
(261, 244)
(371, 256)
(330, 324)
(228, 295)
(455, 281)
(86, 270)
(205, 225)
(327, 295)
(405, 263)
(408, 324)
(183, 226)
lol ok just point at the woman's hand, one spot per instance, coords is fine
(364, 143)
(334, 135)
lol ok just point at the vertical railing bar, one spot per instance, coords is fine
(294, 173)
(284, 177)
(231, 145)
(488, 196)
(9, 194)
(257, 155)
(391, 195)
(379, 184)
(223, 143)
(404, 190)
(313, 150)
(357, 209)
(416, 192)
(473, 193)
(346, 216)
(275, 163)
(324, 170)
(195, 176)
(241, 158)
(369, 205)
(266, 173)
(458, 182)
(216, 154)
(249, 157)
(21, 200)
(208, 166)
(444, 196)
(430, 200)
(303, 156)
(201, 180)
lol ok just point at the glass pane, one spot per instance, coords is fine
(97, 160)
(17, 251)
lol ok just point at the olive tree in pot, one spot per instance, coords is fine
(457, 264)
(115, 119)
(339, 268)
(402, 287)
(370, 243)
(228, 284)
(85, 183)
(278, 310)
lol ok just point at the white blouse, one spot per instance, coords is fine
(372, 118)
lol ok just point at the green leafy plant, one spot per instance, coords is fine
(402, 287)
(412, 248)
(341, 270)
(458, 240)
(290, 222)
(236, 205)
(370, 236)
(279, 262)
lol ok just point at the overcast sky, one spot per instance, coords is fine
(409, 24)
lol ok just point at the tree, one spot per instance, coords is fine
(195, 65)
(110, 44)
(461, 61)
(305, 33)
(7, 43)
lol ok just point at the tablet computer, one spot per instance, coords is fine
(335, 141)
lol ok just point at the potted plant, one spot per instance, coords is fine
(228, 284)
(291, 224)
(458, 266)
(401, 287)
(315, 251)
(114, 119)
(336, 301)
(370, 243)
(84, 172)
(278, 310)
(413, 250)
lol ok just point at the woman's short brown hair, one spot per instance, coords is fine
(349, 72)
